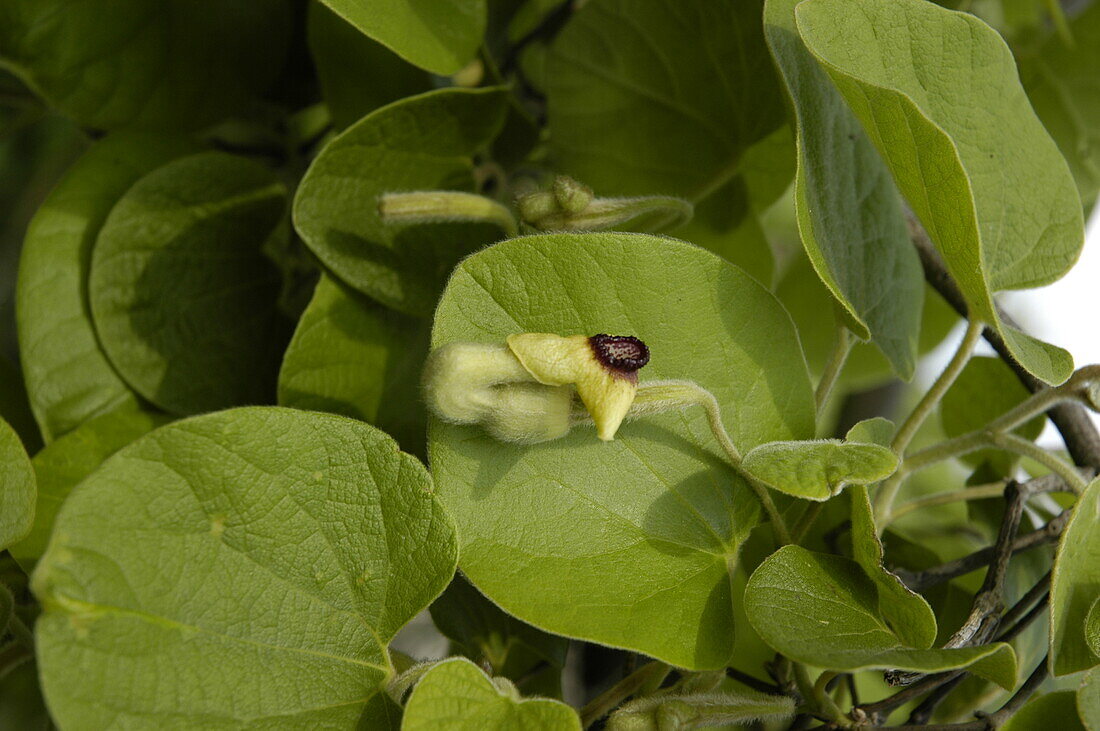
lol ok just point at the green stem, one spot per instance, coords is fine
(884, 500)
(1017, 444)
(806, 521)
(611, 698)
(976, 492)
(658, 396)
(841, 348)
(441, 206)
(825, 702)
(1061, 25)
(1044, 400)
(955, 447)
(20, 631)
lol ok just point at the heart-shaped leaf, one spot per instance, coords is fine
(165, 64)
(822, 610)
(660, 96)
(848, 210)
(17, 488)
(352, 356)
(441, 36)
(456, 694)
(817, 470)
(245, 567)
(1075, 585)
(69, 378)
(183, 297)
(422, 143)
(631, 542)
(63, 464)
(938, 93)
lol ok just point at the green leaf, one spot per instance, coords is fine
(512, 648)
(15, 407)
(1061, 83)
(1075, 585)
(441, 36)
(184, 299)
(660, 96)
(357, 74)
(245, 567)
(352, 356)
(823, 610)
(1047, 710)
(1088, 700)
(421, 143)
(848, 211)
(906, 613)
(811, 305)
(7, 608)
(69, 378)
(726, 225)
(455, 694)
(21, 704)
(17, 488)
(1092, 628)
(629, 543)
(984, 390)
(700, 710)
(938, 93)
(875, 430)
(64, 463)
(149, 63)
(818, 470)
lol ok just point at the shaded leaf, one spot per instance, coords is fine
(1062, 85)
(848, 211)
(240, 568)
(15, 407)
(64, 463)
(632, 542)
(817, 470)
(512, 648)
(822, 610)
(938, 93)
(1075, 585)
(184, 299)
(351, 356)
(984, 390)
(875, 430)
(421, 143)
(907, 614)
(17, 488)
(455, 694)
(69, 378)
(357, 74)
(179, 64)
(1047, 710)
(441, 36)
(1088, 700)
(660, 96)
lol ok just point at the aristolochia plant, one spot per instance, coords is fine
(340, 314)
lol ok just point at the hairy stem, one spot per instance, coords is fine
(614, 696)
(884, 500)
(976, 492)
(841, 348)
(1019, 445)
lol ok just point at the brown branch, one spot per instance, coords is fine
(1072, 421)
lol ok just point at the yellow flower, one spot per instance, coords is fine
(603, 368)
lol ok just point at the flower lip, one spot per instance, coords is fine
(620, 353)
